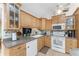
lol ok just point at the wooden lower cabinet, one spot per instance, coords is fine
(43, 41)
(40, 43)
(70, 44)
(47, 41)
(19, 50)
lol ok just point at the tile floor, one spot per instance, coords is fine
(51, 52)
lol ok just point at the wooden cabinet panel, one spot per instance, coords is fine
(77, 27)
(36, 23)
(25, 20)
(54, 19)
(16, 51)
(29, 21)
(43, 23)
(47, 41)
(70, 44)
(48, 25)
(58, 19)
(12, 16)
(40, 44)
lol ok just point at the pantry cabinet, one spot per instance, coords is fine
(19, 50)
(12, 16)
(40, 43)
(70, 44)
(47, 41)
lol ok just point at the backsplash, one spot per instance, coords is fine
(6, 34)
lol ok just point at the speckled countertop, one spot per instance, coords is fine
(8, 43)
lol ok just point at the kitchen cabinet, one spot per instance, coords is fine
(70, 44)
(54, 19)
(12, 16)
(36, 23)
(31, 48)
(47, 41)
(25, 19)
(19, 50)
(43, 24)
(48, 25)
(58, 19)
(40, 43)
(70, 23)
(28, 20)
(76, 17)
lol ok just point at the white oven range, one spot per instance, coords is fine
(58, 41)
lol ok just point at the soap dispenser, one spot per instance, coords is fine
(14, 37)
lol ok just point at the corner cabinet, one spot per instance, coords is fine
(12, 15)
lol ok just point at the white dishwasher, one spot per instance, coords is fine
(31, 48)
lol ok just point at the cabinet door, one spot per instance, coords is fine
(48, 25)
(26, 19)
(31, 48)
(48, 41)
(54, 19)
(70, 44)
(39, 46)
(43, 24)
(17, 19)
(40, 43)
(11, 7)
(13, 13)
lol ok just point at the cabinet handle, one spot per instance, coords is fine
(28, 47)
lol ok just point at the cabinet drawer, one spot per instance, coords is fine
(22, 46)
(17, 50)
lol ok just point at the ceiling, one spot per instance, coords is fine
(46, 10)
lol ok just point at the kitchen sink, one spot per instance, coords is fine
(36, 36)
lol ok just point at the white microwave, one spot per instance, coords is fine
(58, 26)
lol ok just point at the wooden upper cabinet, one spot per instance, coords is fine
(48, 24)
(43, 24)
(25, 19)
(58, 19)
(12, 16)
(29, 21)
(54, 19)
(36, 23)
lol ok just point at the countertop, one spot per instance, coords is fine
(8, 43)
(71, 38)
